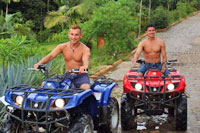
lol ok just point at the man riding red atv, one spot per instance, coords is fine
(153, 94)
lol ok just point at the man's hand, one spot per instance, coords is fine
(134, 60)
(35, 66)
(163, 68)
(83, 69)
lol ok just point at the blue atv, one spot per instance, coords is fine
(59, 107)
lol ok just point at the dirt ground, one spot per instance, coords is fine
(182, 43)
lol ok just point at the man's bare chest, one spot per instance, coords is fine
(72, 55)
(155, 48)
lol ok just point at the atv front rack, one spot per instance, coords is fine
(173, 77)
(38, 115)
(149, 99)
(48, 91)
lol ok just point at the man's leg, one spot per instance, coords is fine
(85, 86)
(141, 70)
(167, 73)
(82, 81)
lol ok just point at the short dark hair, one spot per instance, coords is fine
(149, 25)
(75, 27)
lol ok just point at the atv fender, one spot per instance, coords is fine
(78, 98)
(104, 91)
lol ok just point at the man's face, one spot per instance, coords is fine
(151, 32)
(74, 36)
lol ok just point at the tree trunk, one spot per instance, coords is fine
(140, 17)
(47, 5)
(6, 9)
(149, 11)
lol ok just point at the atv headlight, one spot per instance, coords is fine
(60, 103)
(19, 100)
(170, 87)
(138, 87)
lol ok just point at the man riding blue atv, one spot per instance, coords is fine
(58, 107)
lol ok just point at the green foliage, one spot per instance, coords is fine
(16, 48)
(184, 9)
(14, 24)
(115, 24)
(160, 18)
(59, 37)
(174, 16)
(10, 49)
(16, 74)
(196, 4)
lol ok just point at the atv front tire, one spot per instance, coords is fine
(181, 113)
(112, 118)
(82, 124)
(128, 113)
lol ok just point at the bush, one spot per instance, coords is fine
(160, 17)
(59, 37)
(174, 16)
(114, 23)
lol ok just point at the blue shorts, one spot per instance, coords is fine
(144, 67)
(78, 79)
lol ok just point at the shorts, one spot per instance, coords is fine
(144, 67)
(78, 79)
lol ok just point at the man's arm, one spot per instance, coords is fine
(164, 57)
(50, 56)
(85, 59)
(138, 52)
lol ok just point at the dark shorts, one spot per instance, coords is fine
(144, 67)
(78, 79)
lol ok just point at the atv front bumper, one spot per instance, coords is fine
(154, 103)
(37, 117)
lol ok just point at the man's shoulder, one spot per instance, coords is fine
(158, 39)
(63, 45)
(85, 47)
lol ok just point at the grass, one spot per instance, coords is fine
(48, 46)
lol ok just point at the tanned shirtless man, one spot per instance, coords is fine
(76, 55)
(152, 49)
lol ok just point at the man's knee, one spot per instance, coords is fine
(140, 74)
(85, 86)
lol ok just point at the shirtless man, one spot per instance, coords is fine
(76, 55)
(152, 49)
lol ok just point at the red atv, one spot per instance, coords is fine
(153, 94)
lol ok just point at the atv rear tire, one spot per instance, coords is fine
(181, 113)
(82, 124)
(112, 118)
(128, 113)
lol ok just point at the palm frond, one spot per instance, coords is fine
(53, 19)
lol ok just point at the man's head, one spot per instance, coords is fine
(150, 30)
(149, 25)
(74, 34)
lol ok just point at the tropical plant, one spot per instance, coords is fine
(13, 24)
(115, 23)
(71, 15)
(16, 74)
(11, 48)
(6, 25)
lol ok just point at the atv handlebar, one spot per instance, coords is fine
(42, 69)
(76, 71)
(141, 61)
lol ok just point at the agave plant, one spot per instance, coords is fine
(16, 74)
